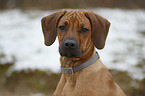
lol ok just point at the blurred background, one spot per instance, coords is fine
(29, 68)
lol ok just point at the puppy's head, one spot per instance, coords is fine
(78, 31)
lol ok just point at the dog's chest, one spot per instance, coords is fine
(69, 86)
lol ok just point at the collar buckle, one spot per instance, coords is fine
(68, 71)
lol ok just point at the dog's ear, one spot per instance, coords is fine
(100, 28)
(49, 26)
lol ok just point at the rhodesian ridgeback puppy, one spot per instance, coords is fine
(83, 73)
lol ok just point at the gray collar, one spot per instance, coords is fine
(72, 70)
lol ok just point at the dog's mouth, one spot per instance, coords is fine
(71, 53)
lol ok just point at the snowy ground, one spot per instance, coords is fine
(21, 39)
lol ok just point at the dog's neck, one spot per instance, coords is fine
(73, 62)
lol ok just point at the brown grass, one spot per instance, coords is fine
(59, 4)
(32, 82)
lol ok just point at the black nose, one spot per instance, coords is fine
(70, 44)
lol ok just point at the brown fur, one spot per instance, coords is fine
(75, 19)
(94, 80)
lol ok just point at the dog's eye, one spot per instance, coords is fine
(84, 30)
(61, 28)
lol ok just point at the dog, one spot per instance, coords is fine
(83, 73)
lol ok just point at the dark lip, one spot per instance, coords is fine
(77, 55)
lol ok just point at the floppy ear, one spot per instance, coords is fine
(49, 26)
(100, 28)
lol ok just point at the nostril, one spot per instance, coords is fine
(72, 45)
(66, 44)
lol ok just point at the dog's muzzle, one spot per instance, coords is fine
(70, 48)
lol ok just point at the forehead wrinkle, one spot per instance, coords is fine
(80, 17)
(75, 16)
(66, 22)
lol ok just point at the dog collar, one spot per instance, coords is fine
(72, 70)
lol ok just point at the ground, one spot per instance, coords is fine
(43, 83)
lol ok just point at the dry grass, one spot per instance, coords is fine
(32, 82)
(59, 4)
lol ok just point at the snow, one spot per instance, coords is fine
(22, 41)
